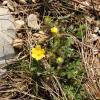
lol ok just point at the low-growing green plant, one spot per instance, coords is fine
(70, 72)
(64, 78)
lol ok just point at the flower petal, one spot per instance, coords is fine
(38, 53)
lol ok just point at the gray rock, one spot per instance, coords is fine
(7, 34)
(33, 22)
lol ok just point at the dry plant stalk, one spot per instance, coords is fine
(92, 66)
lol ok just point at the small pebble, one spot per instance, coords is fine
(10, 5)
(5, 3)
(19, 24)
(33, 22)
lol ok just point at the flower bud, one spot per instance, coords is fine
(60, 60)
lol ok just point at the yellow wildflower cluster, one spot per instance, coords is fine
(37, 52)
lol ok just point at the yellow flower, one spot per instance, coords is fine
(54, 30)
(38, 53)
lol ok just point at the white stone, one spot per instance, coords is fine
(33, 22)
(5, 2)
(10, 5)
(33, 1)
(19, 24)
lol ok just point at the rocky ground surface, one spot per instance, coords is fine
(21, 22)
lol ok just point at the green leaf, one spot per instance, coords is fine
(69, 41)
(47, 20)
(79, 34)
